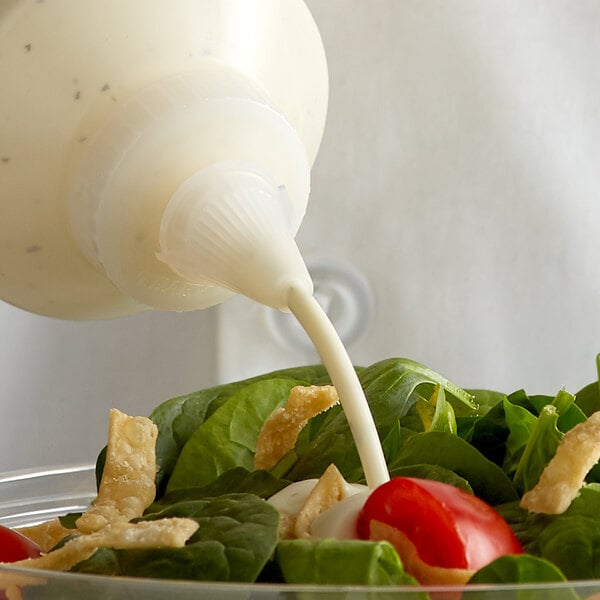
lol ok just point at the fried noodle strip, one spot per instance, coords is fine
(46, 535)
(329, 490)
(127, 487)
(280, 431)
(565, 474)
(170, 533)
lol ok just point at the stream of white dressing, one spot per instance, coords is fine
(319, 328)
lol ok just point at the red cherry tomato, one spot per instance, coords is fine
(448, 527)
(15, 546)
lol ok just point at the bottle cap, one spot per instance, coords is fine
(230, 226)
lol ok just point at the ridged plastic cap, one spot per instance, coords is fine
(229, 225)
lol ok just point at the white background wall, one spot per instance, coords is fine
(59, 379)
(458, 175)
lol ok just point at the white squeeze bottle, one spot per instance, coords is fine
(157, 154)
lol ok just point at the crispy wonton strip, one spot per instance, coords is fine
(280, 431)
(127, 486)
(329, 490)
(46, 535)
(171, 533)
(564, 475)
(287, 523)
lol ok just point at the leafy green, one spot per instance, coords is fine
(393, 442)
(392, 388)
(487, 433)
(572, 540)
(572, 543)
(487, 479)
(227, 439)
(485, 400)
(539, 449)
(436, 412)
(68, 520)
(569, 414)
(485, 442)
(237, 534)
(526, 526)
(238, 480)
(588, 398)
(401, 377)
(521, 423)
(178, 418)
(341, 562)
(521, 398)
(525, 568)
(535, 426)
(434, 472)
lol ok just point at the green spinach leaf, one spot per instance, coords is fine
(487, 479)
(487, 433)
(236, 536)
(227, 439)
(524, 568)
(178, 418)
(572, 540)
(539, 449)
(436, 412)
(588, 398)
(392, 388)
(521, 424)
(569, 414)
(238, 480)
(434, 472)
(341, 562)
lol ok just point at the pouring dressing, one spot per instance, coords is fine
(168, 166)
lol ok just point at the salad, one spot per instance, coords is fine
(487, 445)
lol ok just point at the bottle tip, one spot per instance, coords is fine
(230, 226)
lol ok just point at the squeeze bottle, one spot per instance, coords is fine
(127, 124)
(157, 154)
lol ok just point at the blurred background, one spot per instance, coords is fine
(454, 219)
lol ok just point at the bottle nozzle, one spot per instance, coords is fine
(229, 226)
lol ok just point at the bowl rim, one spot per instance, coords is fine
(36, 474)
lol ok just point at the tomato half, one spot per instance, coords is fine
(448, 527)
(15, 546)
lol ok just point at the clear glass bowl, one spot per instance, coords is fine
(32, 496)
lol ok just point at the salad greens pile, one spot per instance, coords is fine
(489, 443)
